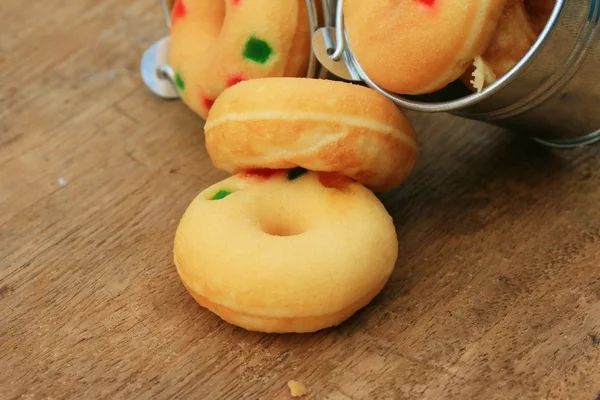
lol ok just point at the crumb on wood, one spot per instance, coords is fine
(595, 339)
(62, 182)
(297, 389)
(5, 290)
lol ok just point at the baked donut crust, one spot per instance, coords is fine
(419, 46)
(320, 125)
(284, 252)
(216, 44)
(265, 324)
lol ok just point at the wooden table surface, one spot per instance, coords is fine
(496, 293)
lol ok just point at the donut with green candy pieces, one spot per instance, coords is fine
(217, 44)
(285, 251)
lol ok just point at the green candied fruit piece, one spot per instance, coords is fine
(179, 82)
(221, 194)
(257, 50)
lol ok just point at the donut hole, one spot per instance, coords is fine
(281, 229)
(281, 226)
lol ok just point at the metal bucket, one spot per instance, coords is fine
(551, 95)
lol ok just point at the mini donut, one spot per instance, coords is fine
(512, 40)
(419, 46)
(320, 125)
(285, 251)
(216, 44)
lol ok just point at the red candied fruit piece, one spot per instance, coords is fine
(262, 173)
(334, 180)
(208, 103)
(179, 11)
(234, 80)
(428, 3)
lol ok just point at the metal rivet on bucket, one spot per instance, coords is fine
(552, 94)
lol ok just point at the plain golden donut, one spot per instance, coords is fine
(512, 40)
(419, 46)
(216, 44)
(320, 125)
(285, 251)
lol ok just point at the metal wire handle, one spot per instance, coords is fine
(335, 54)
(166, 12)
(166, 72)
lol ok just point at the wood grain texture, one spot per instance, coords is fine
(496, 293)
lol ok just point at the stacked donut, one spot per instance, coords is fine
(420, 46)
(295, 240)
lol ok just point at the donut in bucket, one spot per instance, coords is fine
(419, 46)
(512, 39)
